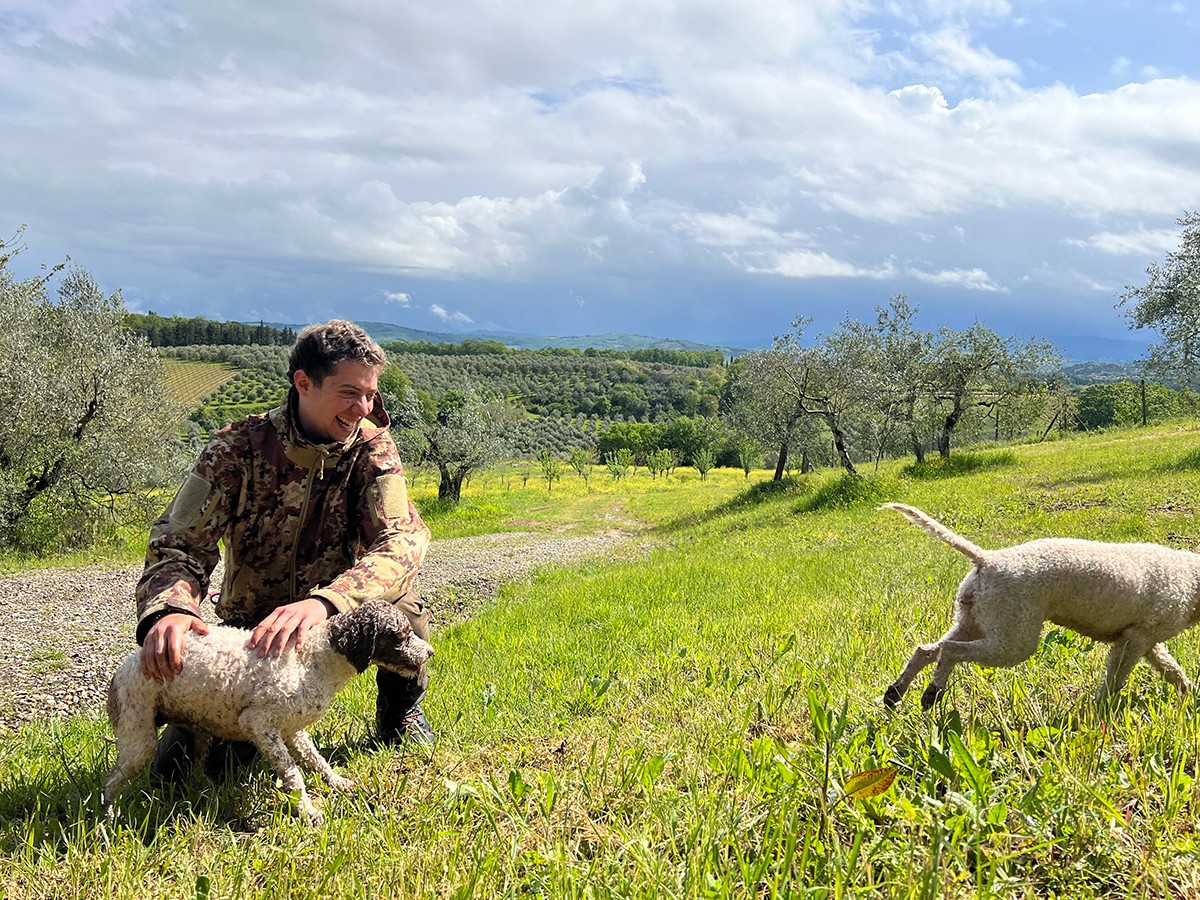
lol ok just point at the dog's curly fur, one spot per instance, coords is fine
(1133, 596)
(227, 691)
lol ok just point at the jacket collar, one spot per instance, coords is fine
(303, 452)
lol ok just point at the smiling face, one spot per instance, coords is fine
(331, 411)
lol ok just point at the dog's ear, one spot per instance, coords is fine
(355, 634)
(399, 649)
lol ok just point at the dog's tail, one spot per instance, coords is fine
(931, 525)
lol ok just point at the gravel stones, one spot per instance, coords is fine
(64, 631)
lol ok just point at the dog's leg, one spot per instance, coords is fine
(306, 751)
(1126, 650)
(965, 628)
(137, 739)
(261, 727)
(1015, 647)
(924, 655)
(1160, 657)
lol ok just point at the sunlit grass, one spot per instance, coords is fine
(517, 497)
(678, 722)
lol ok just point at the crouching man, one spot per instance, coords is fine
(310, 506)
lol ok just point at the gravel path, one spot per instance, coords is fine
(63, 631)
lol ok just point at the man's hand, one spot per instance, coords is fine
(162, 650)
(289, 625)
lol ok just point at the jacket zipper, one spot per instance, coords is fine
(308, 489)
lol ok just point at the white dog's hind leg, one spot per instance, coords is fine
(964, 628)
(306, 751)
(137, 739)
(260, 725)
(1160, 657)
(924, 655)
(1126, 650)
(992, 650)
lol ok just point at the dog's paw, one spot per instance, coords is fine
(338, 783)
(313, 817)
(932, 695)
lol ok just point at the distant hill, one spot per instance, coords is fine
(1083, 348)
(385, 332)
(1074, 348)
(1087, 373)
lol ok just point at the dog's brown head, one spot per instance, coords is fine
(376, 632)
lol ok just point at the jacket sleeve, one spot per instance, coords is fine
(392, 533)
(183, 548)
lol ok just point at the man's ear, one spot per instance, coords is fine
(302, 382)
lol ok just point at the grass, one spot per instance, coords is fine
(681, 722)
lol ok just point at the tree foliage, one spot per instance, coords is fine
(765, 405)
(1126, 403)
(87, 425)
(1169, 303)
(873, 388)
(176, 331)
(457, 433)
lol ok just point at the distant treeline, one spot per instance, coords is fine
(176, 331)
(467, 347)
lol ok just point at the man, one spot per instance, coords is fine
(310, 504)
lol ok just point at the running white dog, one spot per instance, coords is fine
(1133, 596)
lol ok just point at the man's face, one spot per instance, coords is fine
(330, 411)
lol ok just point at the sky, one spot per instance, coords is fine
(707, 170)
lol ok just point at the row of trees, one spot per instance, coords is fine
(861, 392)
(470, 347)
(177, 331)
(872, 388)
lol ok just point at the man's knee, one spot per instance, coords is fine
(417, 612)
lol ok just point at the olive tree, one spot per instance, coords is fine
(87, 423)
(1169, 303)
(975, 370)
(766, 405)
(458, 433)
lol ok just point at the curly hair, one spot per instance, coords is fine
(320, 347)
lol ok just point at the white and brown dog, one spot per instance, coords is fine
(227, 691)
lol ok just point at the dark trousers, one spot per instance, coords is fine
(398, 694)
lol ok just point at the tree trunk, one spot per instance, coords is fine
(806, 464)
(943, 443)
(450, 485)
(910, 419)
(839, 444)
(918, 448)
(781, 466)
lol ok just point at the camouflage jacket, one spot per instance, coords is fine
(296, 520)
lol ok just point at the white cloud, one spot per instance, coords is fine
(214, 152)
(1061, 278)
(950, 47)
(400, 298)
(1148, 243)
(816, 264)
(451, 318)
(967, 279)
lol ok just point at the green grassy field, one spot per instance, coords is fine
(682, 720)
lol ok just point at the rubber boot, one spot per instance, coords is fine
(398, 715)
(174, 756)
